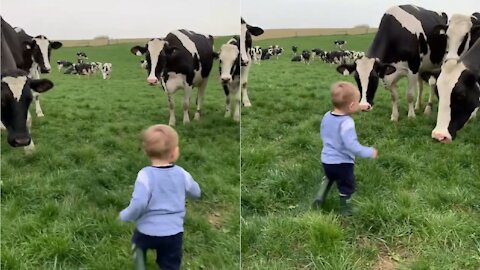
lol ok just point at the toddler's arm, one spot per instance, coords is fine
(141, 195)
(191, 187)
(350, 140)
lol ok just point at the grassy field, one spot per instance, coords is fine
(60, 205)
(416, 207)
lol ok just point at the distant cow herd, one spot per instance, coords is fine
(428, 47)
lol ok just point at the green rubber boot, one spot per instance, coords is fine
(139, 257)
(345, 206)
(322, 193)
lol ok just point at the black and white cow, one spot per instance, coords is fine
(81, 57)
(183, 59)
(63, 64)
(36, 54)
(266, 53)
(339, 43)
(230, 76)
(417, 49)
(276, 50)
(297, 58)
(458, 93)
(246, 32)
(16, 90)
(294, 50)
(106, 70)
(461, 33)
(306, 57)
(256, 54)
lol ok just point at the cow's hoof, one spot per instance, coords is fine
(394, 118)
(197, 116)
(236, 118)
(40, 115)
(428, 110)
(227, 114)
(29, 150)
(411, 116)
(247, 104)
(171, 123)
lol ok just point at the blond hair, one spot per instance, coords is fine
(343, 93)
(159, 141)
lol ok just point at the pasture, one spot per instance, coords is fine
(60, 205)
(416, 206)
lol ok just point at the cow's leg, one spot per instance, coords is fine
(171, 108)
(394, 93)
(227, 100)
(418, 103)
(31, 147)
(200, 95)
(186, 103)
(244, 91)
(412, 86)
(237, 94)
(428, 108)
(38, 108)
(473, 115)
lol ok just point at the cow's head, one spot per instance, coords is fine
(40, 49)
(459, 94)
(458, 34)
(246, 32)
(156, 52)
(229, 59)
(16, 96)
(366, 71)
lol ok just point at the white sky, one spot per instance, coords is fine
(271, 14)
(86, 19)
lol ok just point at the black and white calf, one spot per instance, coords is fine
(63, 64)
(81, 57)
(339, 43)
(458, 93)
(306, 57)
(256, 54)
(183, 59)
(230, 76)
(266, 53)
(246, 32)
(294, 50)
(297, 58)
(417, 49)
(16, 90)
(106, 70)
(276, 50)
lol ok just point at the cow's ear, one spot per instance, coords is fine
(56, 45)
(440, 30)
(256, 31)
(346, 69)
(384, 69)
(41, 85)
(431, 76)
(138, 50)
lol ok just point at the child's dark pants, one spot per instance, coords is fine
(342, 174)
(169, 248)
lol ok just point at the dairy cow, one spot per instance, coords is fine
(230, 76)
(417, 49)
(183, 59)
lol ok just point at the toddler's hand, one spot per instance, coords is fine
(375, 153)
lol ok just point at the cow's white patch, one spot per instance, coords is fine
(138, 53)
(16, 85)
(175, 81)
(243, 49)
(364, 68)
(449, 76)
(407, 20)
(458, 27)
(228, 55)
(43, 44)
(186, 42)
(155, 46)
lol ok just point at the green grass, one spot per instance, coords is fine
(60, 205)
(416, 207)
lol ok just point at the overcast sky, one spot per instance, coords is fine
(270, 14)
(86, 19)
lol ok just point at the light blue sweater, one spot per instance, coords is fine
(158, 200)
(340, 143)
